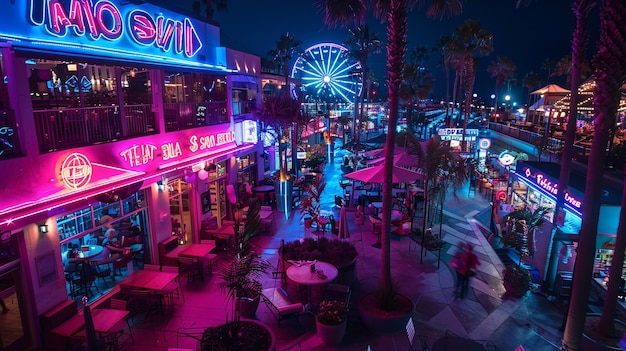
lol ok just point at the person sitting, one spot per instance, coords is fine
(111, 246)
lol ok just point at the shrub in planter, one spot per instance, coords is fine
(517, 280)
(337, 252)
(241, 336)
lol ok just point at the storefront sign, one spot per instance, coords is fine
(457, 131)
(141, 154)
(113, 28)
(484, 143)
(543, 182)
(76, 171)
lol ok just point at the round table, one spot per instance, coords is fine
(456, 343)
(94, 250)
(302, 274)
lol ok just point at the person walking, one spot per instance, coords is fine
(464, 263)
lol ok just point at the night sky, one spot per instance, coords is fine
(528, 35)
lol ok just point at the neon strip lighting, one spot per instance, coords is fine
(169, 61)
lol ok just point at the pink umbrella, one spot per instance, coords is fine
(381, 152)
(344, 232)
(401, 160)
(375, 175)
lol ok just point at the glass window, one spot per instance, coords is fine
(193, 87)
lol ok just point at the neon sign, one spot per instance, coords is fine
(544, 182)
(103, 19)
(141, 154)
(76, 171)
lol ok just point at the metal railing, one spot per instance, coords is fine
(9, 141)
(61, 129)
(186, 115)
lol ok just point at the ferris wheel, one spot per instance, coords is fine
(328, 73)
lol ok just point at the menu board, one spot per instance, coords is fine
(206, 202)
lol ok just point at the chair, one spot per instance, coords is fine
(268, 224)
(359, 216)
(209, 258)
(120, 304)
(189, 266)
(279, 303)
(333, 225)
(174, 287)
(91, 241)
(102, 269)
(338, 201)
(144, 299)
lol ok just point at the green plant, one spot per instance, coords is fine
(433, 242)
(334, 251)
(311, 202)
(517, 280)
(240, 336)
(332, 312)
(241, 277)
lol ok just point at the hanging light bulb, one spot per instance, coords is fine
(202, 174)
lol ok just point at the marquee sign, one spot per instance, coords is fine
(113, 28)
(76, 171)
(140, 154)
(545, 183)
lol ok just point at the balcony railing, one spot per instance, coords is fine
(186, 115)
(62, 129)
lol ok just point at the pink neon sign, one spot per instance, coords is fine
(105, 20)
(140, 154)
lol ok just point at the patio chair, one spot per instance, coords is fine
(209, 258)
(119, 328)
(278, 302)
(173, 287)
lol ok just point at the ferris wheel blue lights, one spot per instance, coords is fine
(327, 72)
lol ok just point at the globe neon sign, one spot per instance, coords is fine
(103, 19)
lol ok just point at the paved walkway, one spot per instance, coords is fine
(484, 315)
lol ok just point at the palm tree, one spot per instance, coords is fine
(395, 13)
(564, 66)
(521, 225)
(445, 62)
(470, 42)
(531, 82)
(548, 66)
(287, 48)
(278, 115)
(609, 71)
(580, 38)
(502, 69)
(417, 84)
(363, 44)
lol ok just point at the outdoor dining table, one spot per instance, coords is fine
(150, 280)
(263, 189)
(103, 320)
(301, 274)
(197, 251)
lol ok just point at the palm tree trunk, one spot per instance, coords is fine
(609, 74)
(455, 88)
(581, 10)
(606, 326)
(396, 49)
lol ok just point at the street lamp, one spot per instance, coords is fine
(494, 107)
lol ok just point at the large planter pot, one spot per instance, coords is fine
(589, 342)
(378, 320)
(331, 334)
(284, 194)
(251, 331)
(248, 307)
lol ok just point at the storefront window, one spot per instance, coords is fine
(180, 208)
(193, 87)
(77, 228)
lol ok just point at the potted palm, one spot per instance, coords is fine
(517, 280)
(311, 202)
(241, 277)
(331, 321)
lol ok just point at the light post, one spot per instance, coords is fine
(494, 107)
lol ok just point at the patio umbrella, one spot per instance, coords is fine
(90, 329)
(402, 160)
(381, 152)
(344, 232)
(375, 175)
